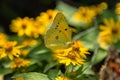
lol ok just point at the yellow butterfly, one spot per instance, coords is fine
(58, 34)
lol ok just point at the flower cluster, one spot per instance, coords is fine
(13, 51)
(74, 55)
(33, 27)
(86, 15)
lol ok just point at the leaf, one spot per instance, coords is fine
(117, 45)
(107, 14)
(67, 9)
(88, 37)
(101, 54)
(49, 66)
(54, 73)
(32, 76)
(5, 71)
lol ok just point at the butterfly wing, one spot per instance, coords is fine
(59, 33)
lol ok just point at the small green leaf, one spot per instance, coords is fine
(32, 76)
(53, 73)
(49, 66)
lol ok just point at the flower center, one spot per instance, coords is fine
(114, 31)
(84, 14)
(8, 47)
(23, 26)
(71, 55)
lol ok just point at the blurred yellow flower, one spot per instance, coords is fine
(62, 78)
(22, 26)
(29, 42)
(84, 15)
(10, 49)
(20, 78)
(110, 32)
(44, 20)
(25, 52)
(74, 55)
(100, 7)
(33, 27)
(103, 5)
(2, 39)
(19, 62)
(117, 9)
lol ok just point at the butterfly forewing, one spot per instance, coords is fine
(59, 33)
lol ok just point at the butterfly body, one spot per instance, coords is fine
(58, 34)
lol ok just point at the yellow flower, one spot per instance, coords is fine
(117, 9)
(44, 20)
(19, 62)
(22, 26)
(84, 15)
(29, 42)
(20, 78)
(33, 27)
(51, 14)
(103, 5)
(110, 32)
(62, 78)
(10, 49)
(100, 7)
(24, 52)
(74, 55)
(2, 39)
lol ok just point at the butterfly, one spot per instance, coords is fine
(58, 35)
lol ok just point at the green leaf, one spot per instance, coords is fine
(117, 45)
(101, 54)
(88, 37)
(32, 76)
(108, 14)
(5, 71)
(49, 66)
(67, 9)
(54, 73)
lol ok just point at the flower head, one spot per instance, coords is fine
(110, 32)
(84, 15)
(29, 42)
(62, 78)
(74, 55)
(22, 26)
(117, 9)
(10, 49)
(44, 20)
(100, 7)
(19, 62)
